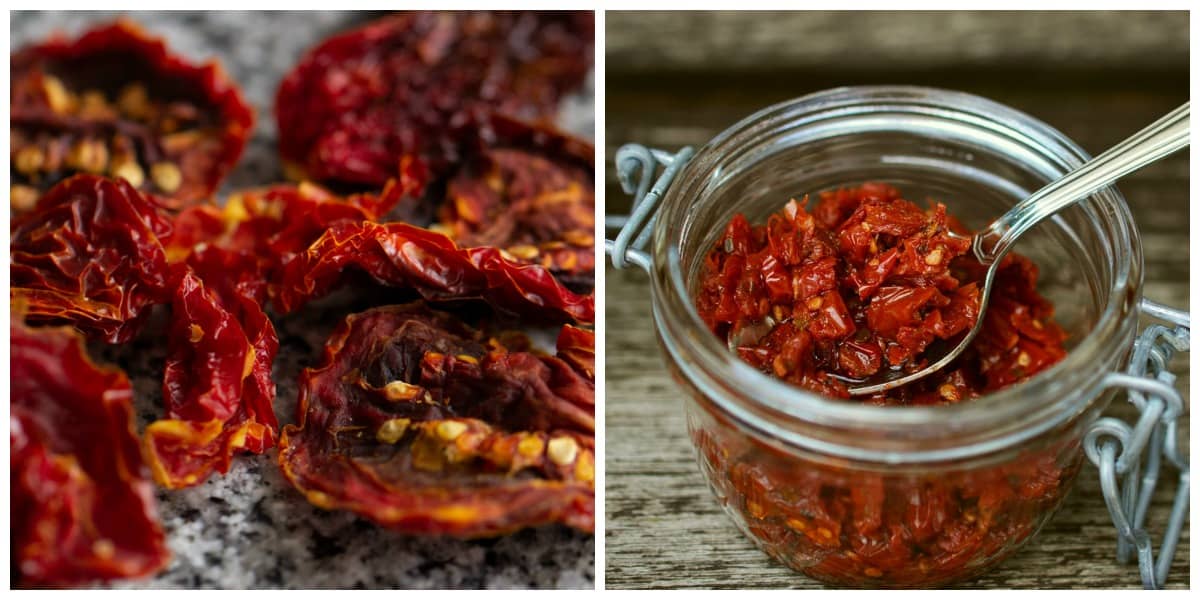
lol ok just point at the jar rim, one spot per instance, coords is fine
(996, 420)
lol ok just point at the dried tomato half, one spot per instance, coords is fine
(91, 254)
(431, 264)
(115, 101)
(425, 425)
(865, 282)
(82, 504)
(408, 83)
(217, 384)
(271, 225)
(529, 191)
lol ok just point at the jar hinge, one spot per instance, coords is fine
(1136, 453)
(636, 166)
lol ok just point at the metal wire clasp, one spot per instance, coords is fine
(1135, 453)
(636, 166)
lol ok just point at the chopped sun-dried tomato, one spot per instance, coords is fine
(116, 102)
(856, 527)
(82, 505)
(426, 425)
(864, 282)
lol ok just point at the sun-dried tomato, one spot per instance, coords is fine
(529, 191)
(115, 101)
(409, 84)
(271, 225)
(426, 425)
(217, 384)
(82, 504)
(864, 282)
(91, 254)
(432, 265)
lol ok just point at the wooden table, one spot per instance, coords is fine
(663, 528)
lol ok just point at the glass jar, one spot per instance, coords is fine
(861, 495)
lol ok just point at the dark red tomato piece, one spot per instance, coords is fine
(432, 265)
(217, 384)
(82, 504)
(426, 425)
(270, 226)
(411, 84)
(529, 191)
(117, 102)
(89, 255)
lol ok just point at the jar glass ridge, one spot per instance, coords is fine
(979, 158)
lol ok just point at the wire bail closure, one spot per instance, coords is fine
(1117, 450)
(636, 166)
(1136, 453)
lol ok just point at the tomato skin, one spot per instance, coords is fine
(529, 190)
(83, 504)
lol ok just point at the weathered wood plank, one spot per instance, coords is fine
(653, 41)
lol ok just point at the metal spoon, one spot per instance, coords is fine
(1163, 137)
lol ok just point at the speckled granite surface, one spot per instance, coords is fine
(250, 528)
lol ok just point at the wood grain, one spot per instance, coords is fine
(713, 41)
(663, 528)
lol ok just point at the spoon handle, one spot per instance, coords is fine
(1161, 138)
